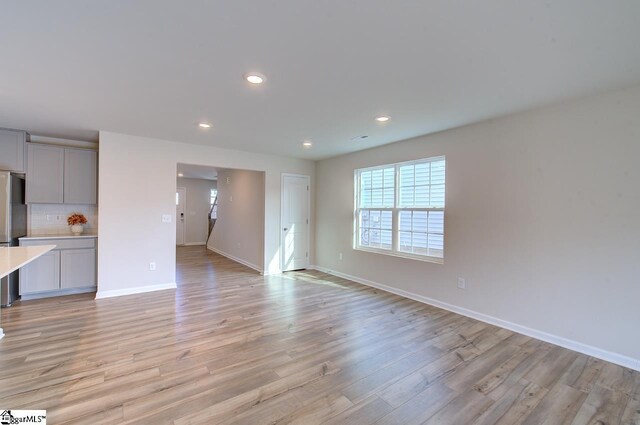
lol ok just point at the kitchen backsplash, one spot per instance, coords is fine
(51, 219)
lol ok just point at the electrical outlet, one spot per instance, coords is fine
(462, 284)
(152, 266)
(340, 256)
(166, 218)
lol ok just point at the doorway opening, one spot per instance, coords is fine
(181, 200)
(194, 187)
(223, 212)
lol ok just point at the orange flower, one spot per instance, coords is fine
(76, 218)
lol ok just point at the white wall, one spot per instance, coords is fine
(137, 178)
(542, 219)
(239, 229)
(196, 209)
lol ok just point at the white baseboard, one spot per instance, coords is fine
(589, 350)
(236, 259)
(58, 293)
(195, 243)
(136, 290)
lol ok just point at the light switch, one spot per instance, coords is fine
(166, 218)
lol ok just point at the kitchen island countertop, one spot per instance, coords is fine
(62, 236)
(12, 258)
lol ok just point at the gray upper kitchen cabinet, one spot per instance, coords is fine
(57, 175)
(45, 174)
(12, 150)
(80, 176)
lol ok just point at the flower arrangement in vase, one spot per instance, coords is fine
(76, 221)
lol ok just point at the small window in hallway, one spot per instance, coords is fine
(214, 195)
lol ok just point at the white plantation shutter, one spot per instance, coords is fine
(422, 185)
(376, 191)
(400, 208)
(377, 188)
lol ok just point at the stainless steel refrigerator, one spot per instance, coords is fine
(13, 224)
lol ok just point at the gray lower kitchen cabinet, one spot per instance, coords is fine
(80, 176)
(77, 268)
(45, 174)
(41, 275)
(12, 150)
(69, 268)
(57, 175)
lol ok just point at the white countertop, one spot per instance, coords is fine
(12, 258)
(62, 236)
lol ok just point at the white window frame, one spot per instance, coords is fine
(395, 248)
(212, 198)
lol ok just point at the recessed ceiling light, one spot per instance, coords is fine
(180, 174)
(383, 118)
(255, 78)
(307, 144)
(204, 125)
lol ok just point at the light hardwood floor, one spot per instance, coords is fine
(230, 346)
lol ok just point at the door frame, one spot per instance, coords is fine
(282, 177)
(184, 222)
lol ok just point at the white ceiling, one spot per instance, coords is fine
(191, 171)
(157, 67)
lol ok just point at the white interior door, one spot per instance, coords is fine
(295, 222)
(181, 197)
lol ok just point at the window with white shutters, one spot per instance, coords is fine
(400, 209)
